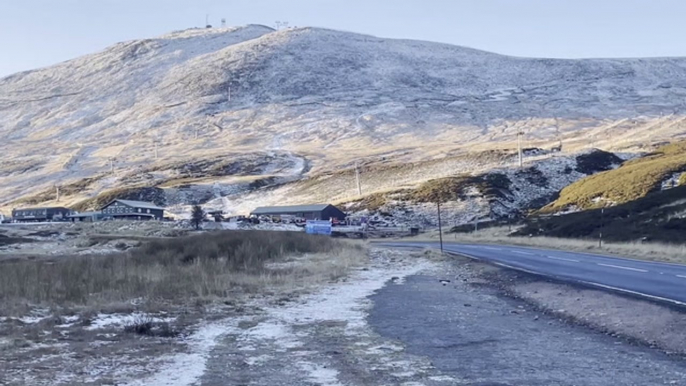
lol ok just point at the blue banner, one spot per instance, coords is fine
(316, 227)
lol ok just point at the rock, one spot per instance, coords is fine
(536, 317)
(467, 305)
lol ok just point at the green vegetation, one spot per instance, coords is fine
(659, 216)
(455, 188)
(150, 194)
(631, 181)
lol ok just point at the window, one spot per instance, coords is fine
(148, 210)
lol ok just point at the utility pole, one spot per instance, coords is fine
(600, 234)
(519, 147)
(156, 154)
(57, 193)
(440, 229)
(111, 165)
(357, 178)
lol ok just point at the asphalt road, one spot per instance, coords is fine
(659, 281)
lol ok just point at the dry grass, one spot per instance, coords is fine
(221, 264)
(631, 181)
(673, 253)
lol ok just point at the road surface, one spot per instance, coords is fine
(658, 281)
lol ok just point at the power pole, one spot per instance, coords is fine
(357, 178)
(440, 229)
(519, 146)
(111, 165)
(156, 154)
(57, 193)
(600, 234)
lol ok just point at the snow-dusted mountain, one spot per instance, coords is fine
(310, 100)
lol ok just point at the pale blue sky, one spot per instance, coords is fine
(36, 33)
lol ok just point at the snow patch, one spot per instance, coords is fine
(120, 320)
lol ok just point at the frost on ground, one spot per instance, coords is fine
(291, 344)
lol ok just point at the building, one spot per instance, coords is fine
(132, 210)
(85, 216)
(40, 214)
(308, 212)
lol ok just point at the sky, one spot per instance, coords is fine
(38, 33)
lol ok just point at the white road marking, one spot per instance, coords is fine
(682, 276)
(524, 253)
(562, 258)
(493, 249)
(635, 293)
(622, 267)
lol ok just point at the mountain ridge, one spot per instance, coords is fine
(314, 96)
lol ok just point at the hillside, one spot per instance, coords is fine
(657, 216)
(272, 107)
(661, 169)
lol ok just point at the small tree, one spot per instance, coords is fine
(197, 216)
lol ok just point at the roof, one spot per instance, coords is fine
(85, 214)
(289, 209)
(42, 208)
(136, 204)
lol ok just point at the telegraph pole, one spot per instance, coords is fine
(519, 147)
(440, 229)
(600, 234)
(111, 165)
(357, 178)
(57, 193)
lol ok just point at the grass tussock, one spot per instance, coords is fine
(201, 266)
(631, 181)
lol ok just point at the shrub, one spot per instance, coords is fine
(596, 161)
